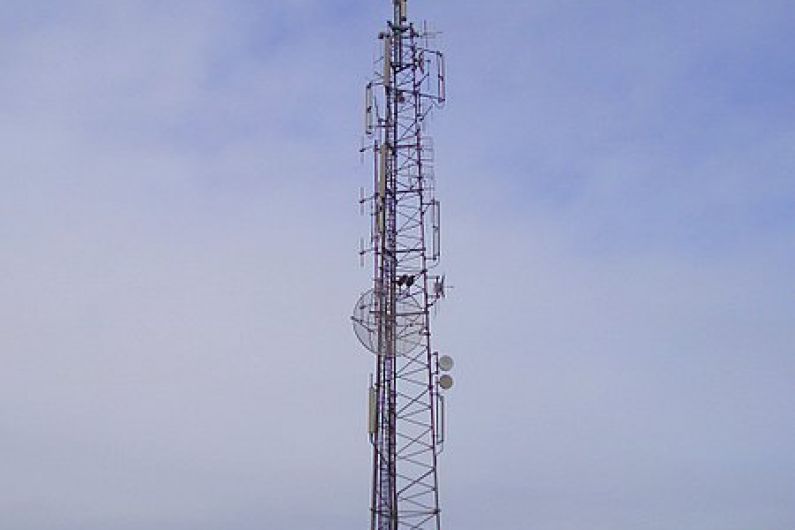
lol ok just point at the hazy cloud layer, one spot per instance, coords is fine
(179, 235)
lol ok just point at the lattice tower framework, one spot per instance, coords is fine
(393, 319)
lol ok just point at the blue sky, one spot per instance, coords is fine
(179, 231)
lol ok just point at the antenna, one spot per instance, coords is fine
(392, 320)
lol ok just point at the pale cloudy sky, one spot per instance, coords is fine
(178, 234)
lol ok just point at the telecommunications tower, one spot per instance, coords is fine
(392, 320)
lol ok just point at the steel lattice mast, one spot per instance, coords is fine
(392, 320)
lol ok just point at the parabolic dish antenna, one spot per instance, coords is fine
(446, 363)
(446, 382)
(409, 323)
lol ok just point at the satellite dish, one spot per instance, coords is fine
(409, 323)
(446, 363)
(446, 382)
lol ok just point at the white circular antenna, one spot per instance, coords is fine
(446, 363)
(409, 324)
(446, 382)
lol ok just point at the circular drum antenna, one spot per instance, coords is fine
(446, 382)
(409, 323)
(446, 363)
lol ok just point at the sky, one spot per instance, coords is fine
(178, 261)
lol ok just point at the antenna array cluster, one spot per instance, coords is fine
(393, 319)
